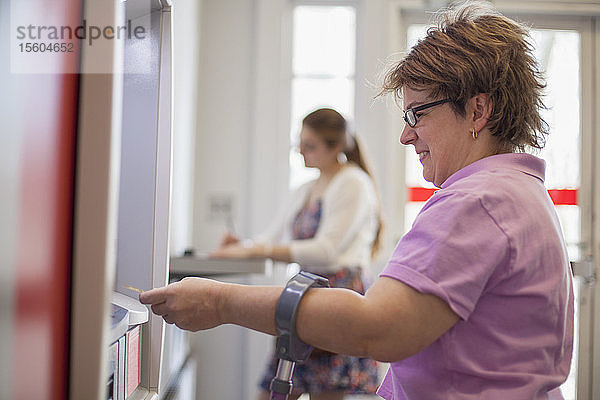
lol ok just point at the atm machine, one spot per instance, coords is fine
(118, 349)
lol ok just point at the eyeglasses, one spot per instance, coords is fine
(410, 115)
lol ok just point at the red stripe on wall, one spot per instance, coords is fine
(563, 196)
(420, 193)
(558, 196)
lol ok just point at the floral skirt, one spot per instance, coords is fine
(325, 371)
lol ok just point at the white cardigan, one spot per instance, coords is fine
(347, 227)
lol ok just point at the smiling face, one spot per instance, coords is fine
(441, 138)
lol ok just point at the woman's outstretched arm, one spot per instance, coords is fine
(390, 322)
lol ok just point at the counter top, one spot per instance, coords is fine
(198, 265)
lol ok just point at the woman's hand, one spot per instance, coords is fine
(196, 304)
(228, 239)
(191, 304)
(240, 251)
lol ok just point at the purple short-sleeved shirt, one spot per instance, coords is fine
(488, 243)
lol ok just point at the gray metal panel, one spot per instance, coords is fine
(160, 270)
(138, 8)
(142, 253)
(138, 163)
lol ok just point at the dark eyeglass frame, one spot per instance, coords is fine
(411, 113)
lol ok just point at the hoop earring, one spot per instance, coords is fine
(474, 134)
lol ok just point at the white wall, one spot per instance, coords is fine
(186, 51)
(375, 117)
(237, 114)
(224, 115)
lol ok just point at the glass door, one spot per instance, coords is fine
(563, 48)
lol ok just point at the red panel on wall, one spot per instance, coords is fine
(420, 193)
(559, 197)
(46, 105)
(563, 196)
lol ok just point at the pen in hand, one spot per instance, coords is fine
(231, 226)
(230, 236)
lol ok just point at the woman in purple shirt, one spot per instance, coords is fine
(476, 301)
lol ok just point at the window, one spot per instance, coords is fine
(324, 43)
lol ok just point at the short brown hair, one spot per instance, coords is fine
(474, 49)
